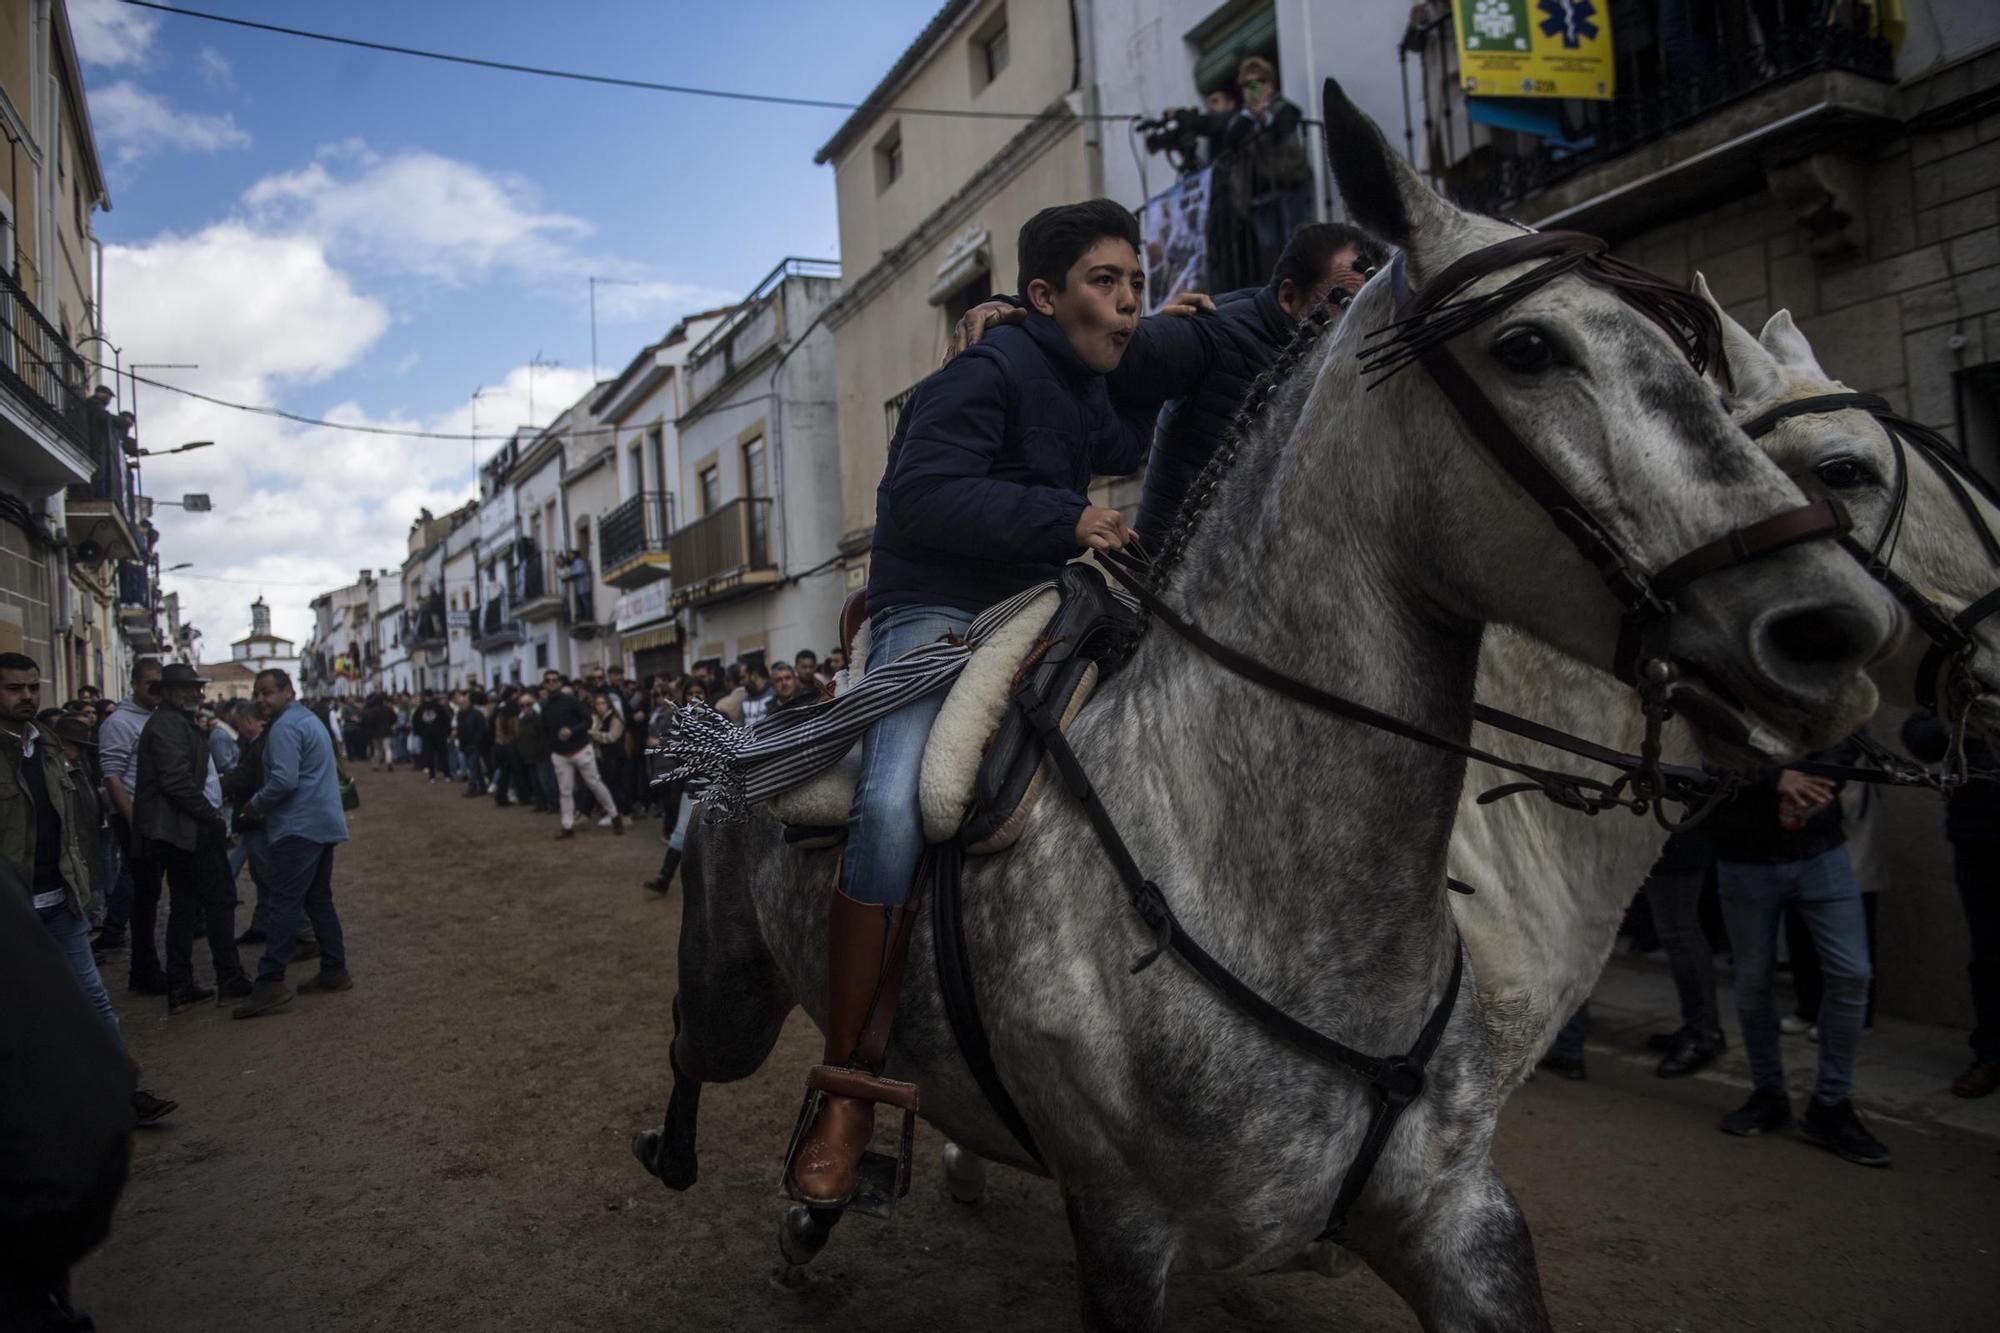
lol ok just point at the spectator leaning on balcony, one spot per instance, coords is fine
(300, 803)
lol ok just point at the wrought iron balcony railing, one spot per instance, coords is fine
(40, 367)
(1696, 61)
(641, 525)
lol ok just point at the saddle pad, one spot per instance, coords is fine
(972, 711)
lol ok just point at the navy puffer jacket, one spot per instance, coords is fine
(989, 469)
(1200, 367)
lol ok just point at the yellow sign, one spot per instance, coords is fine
(1535, 48)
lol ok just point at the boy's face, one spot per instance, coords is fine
(1098, 307)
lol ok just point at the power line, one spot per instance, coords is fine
(610, 80)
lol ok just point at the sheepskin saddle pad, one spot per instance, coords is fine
(982, 770)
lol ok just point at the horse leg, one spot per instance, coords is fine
(727, 1014)
(964, 1174)
(1465, 1263)
(1121, 1267)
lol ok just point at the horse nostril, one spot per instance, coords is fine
(1820, 636)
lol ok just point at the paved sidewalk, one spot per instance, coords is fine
(1904, 1071)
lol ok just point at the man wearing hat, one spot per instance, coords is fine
(178, 812)
(48, 833)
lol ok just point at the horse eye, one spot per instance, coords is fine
(1843, 474)
(1524, 351)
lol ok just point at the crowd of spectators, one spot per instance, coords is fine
(574, 747)
(103, 808)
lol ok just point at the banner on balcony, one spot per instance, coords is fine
(1175, 225)
(1535, 48)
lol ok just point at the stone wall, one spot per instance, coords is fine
(1917, 302)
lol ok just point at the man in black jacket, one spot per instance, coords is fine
(985, 494)
(1972, 826)
(473, 737)
(178, 810)
(432, 724)
(1197, 358)
(1778, 842)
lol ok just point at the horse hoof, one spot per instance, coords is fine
(964, 1176)
(802, 1233)
(675, 1170)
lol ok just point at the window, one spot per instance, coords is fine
(756, 485)
(988, 50)
(1979, 417)
(977, 288)
(656, 446)
(889, 158)
(710, 483)
(638, 470)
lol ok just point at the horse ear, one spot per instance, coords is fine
(1782, 339)
(1383, 194)
(1746, 366)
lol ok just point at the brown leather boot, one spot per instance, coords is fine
(865, 944)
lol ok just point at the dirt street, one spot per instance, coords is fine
(445, 1147)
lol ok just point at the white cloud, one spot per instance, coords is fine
(110, 33)
(420, 213)
(132, 123)
(215, 69)
(630, 302)
(271, 299)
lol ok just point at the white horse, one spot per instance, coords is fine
(1362, 541)
(1552, 887)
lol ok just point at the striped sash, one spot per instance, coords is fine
(728, 768)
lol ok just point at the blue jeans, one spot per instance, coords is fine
(1823, 891)
(72, 936)
(475, 773)
(885, 829)
(118, 900)
(301, 882)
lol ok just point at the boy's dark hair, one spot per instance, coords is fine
(19, 662)
(1312, 248)
(1054, 239)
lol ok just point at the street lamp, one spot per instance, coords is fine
(177, 449)
(194, 502)
(185, 564)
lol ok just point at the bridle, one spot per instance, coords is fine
(1952, 646)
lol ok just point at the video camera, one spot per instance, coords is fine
(1178, 133)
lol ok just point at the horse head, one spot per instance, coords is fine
(1595, 371)
(1904, 506)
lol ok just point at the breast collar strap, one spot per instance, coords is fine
(1646, 598)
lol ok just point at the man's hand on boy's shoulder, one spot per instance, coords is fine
(974, 323)
(1102, 529)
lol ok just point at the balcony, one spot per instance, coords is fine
(538, 589)
(45, 422)
(427, 626)
(724, 554)
(632, 540)
(753, 328)
(1697, 116)
(496, 629)
(137, 619)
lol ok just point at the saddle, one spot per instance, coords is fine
(982, 770)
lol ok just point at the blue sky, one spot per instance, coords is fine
(368, 236)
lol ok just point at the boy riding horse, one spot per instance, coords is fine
(984, 494)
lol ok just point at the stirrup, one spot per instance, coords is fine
(882, 1178)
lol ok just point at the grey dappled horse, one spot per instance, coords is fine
(1361, 541)
(1553, 888)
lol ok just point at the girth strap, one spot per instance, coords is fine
(960, 996)
(1396, 1080)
